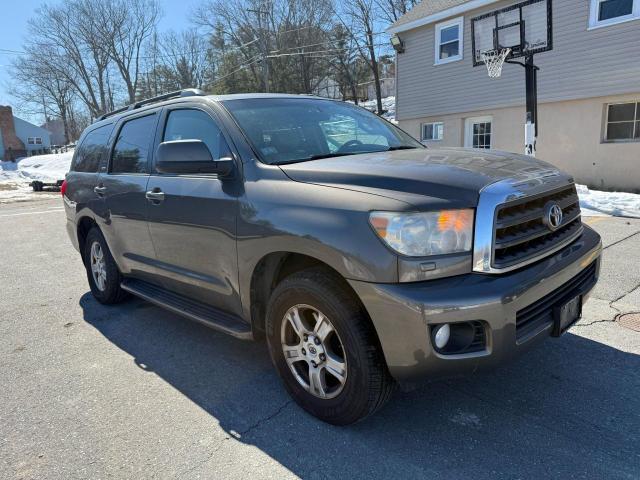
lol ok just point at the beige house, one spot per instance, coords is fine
(588, 87)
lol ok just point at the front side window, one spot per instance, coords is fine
(432, 131)
(608, 12)
(623, 122)
(449, 36)
(131, 151)
(196, 125)
(89, 154)
(286, 130)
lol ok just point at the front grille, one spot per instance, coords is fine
(479, 342)
(520, 233)
(539, 315)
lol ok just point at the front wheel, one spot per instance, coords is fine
(325, 349)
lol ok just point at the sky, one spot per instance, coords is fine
(14, 16)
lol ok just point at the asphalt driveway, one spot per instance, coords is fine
(133, 391)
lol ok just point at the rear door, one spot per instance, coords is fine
(193, 227)
(123, 187)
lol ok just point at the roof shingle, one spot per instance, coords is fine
(426, 8)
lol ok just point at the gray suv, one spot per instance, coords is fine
(365, 259)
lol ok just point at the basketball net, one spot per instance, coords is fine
(494, 60)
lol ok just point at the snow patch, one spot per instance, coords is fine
(618, 204)
(15, 177)
(388, 104)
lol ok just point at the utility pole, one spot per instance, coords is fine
(265, 45)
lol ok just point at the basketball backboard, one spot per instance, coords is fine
(524, 28)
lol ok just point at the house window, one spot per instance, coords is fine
(31, 141)
(432, 131)
(623, 122)
(449, 36)
(609, 12)
(38, 140)
(478, 132)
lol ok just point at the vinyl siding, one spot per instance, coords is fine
(583, 64)
(24, 130)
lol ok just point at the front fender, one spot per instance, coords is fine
(277, 214)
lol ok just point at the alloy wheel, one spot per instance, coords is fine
(314, 352)
(98, 266)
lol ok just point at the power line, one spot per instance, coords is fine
(242, 67)
(12, 52)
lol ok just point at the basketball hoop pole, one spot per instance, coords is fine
(531, 119)
(531, 116)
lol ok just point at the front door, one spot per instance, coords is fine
(478, 132)
(123, 187)
(193, 220)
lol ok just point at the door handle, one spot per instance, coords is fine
(155, 196)
(100, 190)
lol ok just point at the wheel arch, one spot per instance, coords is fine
(274, 267)
(84, 226)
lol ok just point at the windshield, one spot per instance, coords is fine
(287, 130)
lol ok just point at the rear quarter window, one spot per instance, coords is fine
(92, 150)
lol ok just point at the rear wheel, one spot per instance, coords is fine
(102, 271)
(325, 349)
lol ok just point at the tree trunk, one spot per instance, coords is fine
(376, 73)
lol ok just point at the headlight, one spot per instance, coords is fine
(425, 233)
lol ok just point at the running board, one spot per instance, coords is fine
(193, 310)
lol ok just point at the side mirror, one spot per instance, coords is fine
(190, 156)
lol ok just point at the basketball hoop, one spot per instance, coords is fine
(494, 60)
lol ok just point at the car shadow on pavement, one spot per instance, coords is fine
(569, 409)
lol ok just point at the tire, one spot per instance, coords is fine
(356, 354)
(106, 291)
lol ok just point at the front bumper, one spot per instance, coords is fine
(402, 313)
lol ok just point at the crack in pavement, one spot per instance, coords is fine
(621, 240)
(613, 307)
(261, 421)
(594, 322)
(236, 435)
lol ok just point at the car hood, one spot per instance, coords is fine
(449, 176)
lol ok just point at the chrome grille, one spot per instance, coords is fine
(520, 233)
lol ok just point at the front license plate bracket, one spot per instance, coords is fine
(565, 314)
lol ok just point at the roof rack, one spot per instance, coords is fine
(189, 92)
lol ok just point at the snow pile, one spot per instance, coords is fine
(15, 177)
(46, 168)
(619, 204)
(388, 104)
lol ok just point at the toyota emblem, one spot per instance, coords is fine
(552, 216)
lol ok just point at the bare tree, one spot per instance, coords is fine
(73, 51)
(363, 14)
(392, 10)
(184, 58)
(42, 90)
(291, 35)
(123, 28)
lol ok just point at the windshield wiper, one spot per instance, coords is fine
(319, 156)
(400, 147)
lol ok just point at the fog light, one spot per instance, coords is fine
(441, 335)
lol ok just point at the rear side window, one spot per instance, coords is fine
(131, 151)
(91, 151)
(196, 125)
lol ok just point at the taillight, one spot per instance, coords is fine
(63, 188)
